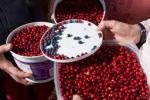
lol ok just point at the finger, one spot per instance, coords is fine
(77, 97)
(5, 48)
(30, 83)
(108, 24)
(24, 81)
(18, 73)
(21, 80)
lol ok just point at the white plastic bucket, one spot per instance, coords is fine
(39, 66)
(130, 46)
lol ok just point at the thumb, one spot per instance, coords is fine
(5, 48)
(77, 97)
(109, 24)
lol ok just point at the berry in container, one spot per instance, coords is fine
(93, 11)
(114, 72)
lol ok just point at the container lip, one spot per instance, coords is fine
(130, 45)
(28, 57)
(101, 1)
(38, 82)
(21, 27)
(56, 81)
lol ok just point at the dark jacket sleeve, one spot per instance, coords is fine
(13, 13)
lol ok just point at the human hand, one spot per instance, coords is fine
(8, 67)
(121, 31)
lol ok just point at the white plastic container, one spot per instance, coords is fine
(131, 47)
(39, 66)
(70, 47)
(55, 2)
(146, 57)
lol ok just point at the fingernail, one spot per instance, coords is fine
(29, 74)
(76, 97)
(9, 45)
(97, 29)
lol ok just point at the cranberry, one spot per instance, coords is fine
(112, 73)
(79, 9)
(26, 42)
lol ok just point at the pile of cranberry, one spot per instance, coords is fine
(26, 42)
(79, 9)
(112, 73)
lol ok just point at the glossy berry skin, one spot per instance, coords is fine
(112, 73)
(26, 42)
(79, 9)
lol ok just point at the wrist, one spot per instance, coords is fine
(135, 33)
